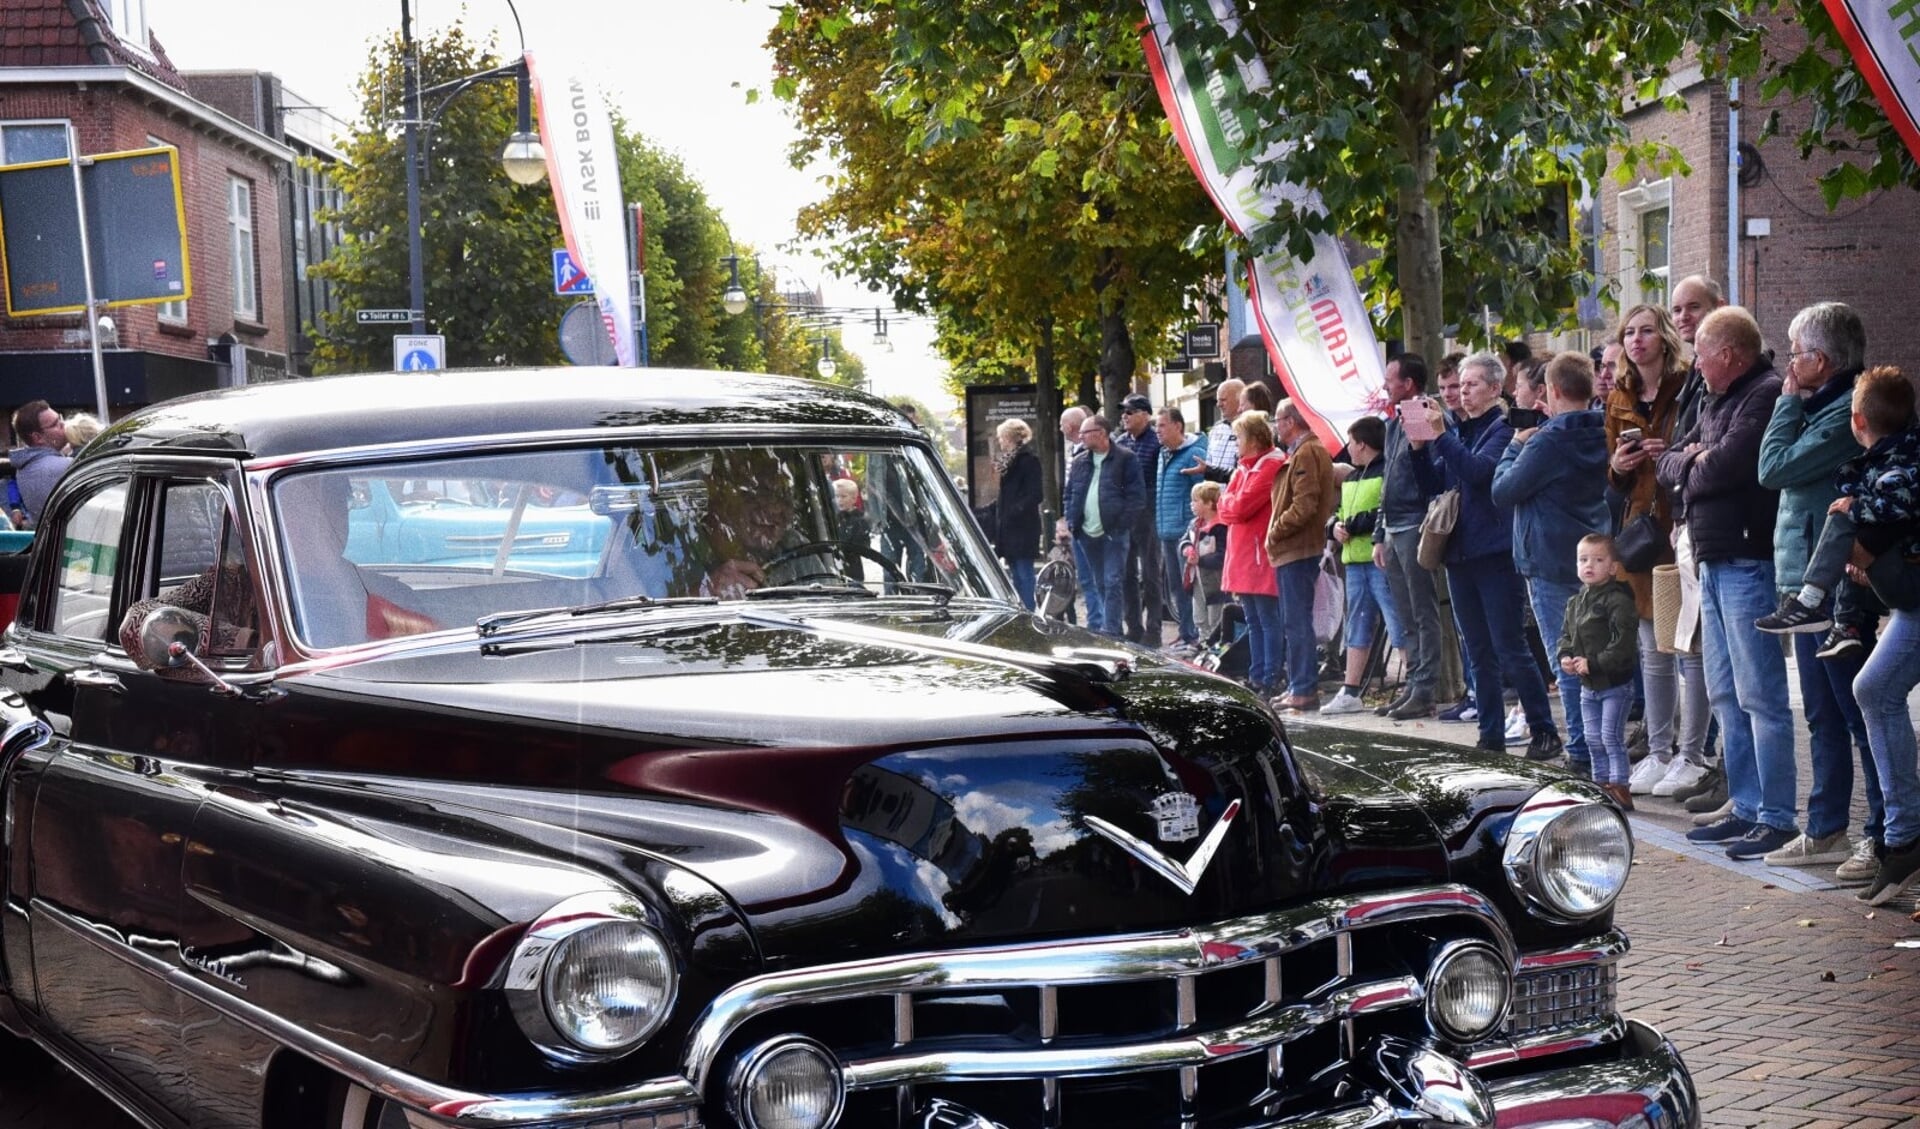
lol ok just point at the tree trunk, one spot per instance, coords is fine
(1417, 225)
(1046, 437)
(1116, 361)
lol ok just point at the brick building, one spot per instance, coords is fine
(1750, 216)
(94, 65)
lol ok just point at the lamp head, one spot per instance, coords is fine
(524, 159)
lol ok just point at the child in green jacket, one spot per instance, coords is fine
(1600, 644)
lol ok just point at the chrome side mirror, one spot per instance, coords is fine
(167, 637)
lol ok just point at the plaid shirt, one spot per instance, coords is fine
(1223, 446)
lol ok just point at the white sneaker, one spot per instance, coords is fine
(1517, 733)
(1860, 866)
(1725, 810)
(1803, 851)
(1650, 771)
(1683, 774)
(1344, 702)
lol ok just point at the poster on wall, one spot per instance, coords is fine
(988, 406)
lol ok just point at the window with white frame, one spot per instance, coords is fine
(1646, 236)
(129, 20)
(26, 142)
(246, 296)
(173, 313)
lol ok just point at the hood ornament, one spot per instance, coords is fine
(1181, 811)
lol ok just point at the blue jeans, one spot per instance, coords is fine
(1605, 714)
(1265, 647)
(1486, 608)
(1549, 599)
(1296, 581)
(1747, 685)
(1369, 601)
(1889, 674)
(1020, 571)
(1172, 566)
(1826, 696)
(1105, 574)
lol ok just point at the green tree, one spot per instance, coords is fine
(1431, 131)
(1848, 121)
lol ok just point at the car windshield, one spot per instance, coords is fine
(399, 548)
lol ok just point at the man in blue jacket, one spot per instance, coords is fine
(1106, 495)
(1173, 514)
(1554, 479)
(1141, 583)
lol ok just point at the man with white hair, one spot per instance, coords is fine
(1223, 447)
(1715, 471)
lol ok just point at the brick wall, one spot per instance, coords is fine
(110, 118)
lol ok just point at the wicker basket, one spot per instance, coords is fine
(1666, 606)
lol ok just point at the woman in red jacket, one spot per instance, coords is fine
(1245, 508)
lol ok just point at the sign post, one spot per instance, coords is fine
(419, 352)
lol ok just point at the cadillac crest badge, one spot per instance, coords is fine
(1176, 816)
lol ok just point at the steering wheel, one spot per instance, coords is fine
(891, 568)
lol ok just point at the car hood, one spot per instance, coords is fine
(892, 781)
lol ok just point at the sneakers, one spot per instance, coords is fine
(1517, 726)
(1794, 618)
(1648, 773)
(1544, 746)
(1806, 850)
(1759, 841)
(1715, 815)
(1845, 641)
(1711, 797)
(1725, 830)
(1898, 869)
(1180, 648)
(1861, 866)
(1683, 774)
(1710, 778)
(1343, 702)
(1462, 710)
(1395, 702)
(1416, 705)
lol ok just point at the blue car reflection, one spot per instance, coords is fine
(466, 524)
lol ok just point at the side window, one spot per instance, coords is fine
(89, 561)
(201, 567)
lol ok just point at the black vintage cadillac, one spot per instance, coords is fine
(655, 750)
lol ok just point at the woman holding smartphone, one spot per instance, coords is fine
(1639, 424)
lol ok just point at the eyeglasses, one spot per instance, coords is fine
(1795, 354)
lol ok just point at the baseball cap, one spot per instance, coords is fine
(1135, 403)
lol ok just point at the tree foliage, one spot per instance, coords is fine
(1433, 132)
(1848, 121)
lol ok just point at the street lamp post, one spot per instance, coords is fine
(523, 159)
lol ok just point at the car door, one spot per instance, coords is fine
(135, 755)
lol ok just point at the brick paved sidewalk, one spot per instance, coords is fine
(1791, 1003)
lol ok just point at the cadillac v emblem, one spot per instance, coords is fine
(1178, 817)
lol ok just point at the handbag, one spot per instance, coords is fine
(1443, 513)
(1638, 545)
(1329, 600)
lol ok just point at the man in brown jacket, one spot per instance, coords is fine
(1305, 496)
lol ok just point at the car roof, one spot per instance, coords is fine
(330, 413)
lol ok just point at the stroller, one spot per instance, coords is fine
(1056, 584)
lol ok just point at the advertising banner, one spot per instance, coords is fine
(581, 163)
(1884, 38)
(1310, 313)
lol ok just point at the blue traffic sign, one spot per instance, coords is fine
(417, 361)
(425, 352)
(568, 277)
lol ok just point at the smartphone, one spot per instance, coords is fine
(1631, 435)
(1416, 421)
(1522, 418)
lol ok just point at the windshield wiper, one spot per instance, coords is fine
(940, 592)
(800, 591)
(488, 624)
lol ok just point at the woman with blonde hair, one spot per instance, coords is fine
(1246, 508)
(1640, 416)
(1016, 534)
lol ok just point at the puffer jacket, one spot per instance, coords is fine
(1172, 511)
(1641, 488)
(1602, 627)
(1465, 458)
(1246, 508)
(1556, 485)
(1729, 514)
(1360, 510)
(1801, 451)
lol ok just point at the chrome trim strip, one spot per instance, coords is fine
(1142, 956)
(1500, 1050)
(1185, 876)
(1253, 1036)
(454, 1106)
(1605, 949)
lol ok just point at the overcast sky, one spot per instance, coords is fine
(677, 69)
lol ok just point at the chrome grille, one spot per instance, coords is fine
(1562, 998)
(1248, 1016)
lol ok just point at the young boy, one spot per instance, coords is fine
(1368, 600)
(1205, 551)
(1601, 644)
(1879, 506)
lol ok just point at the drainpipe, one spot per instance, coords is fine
(1733, 191)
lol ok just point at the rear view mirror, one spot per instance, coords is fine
(167, 637)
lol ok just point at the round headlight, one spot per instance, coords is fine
(1568, 856)
(788, 1084)
(1468, 989)
(609, 986)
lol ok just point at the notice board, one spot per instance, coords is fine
(136, 231)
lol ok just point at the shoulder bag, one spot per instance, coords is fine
(1443, 513)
